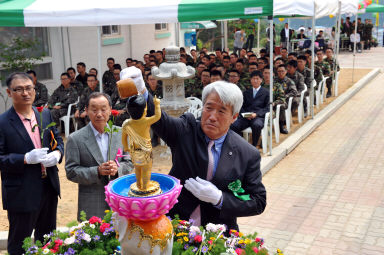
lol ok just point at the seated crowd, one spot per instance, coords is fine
(250, 72)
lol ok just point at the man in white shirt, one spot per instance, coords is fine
(355, 37)
(239, 41)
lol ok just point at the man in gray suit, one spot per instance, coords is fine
(86, 157)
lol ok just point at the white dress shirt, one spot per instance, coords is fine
(102, 140)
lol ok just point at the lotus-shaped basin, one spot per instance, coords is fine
(142, 208)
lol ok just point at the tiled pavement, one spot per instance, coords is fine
(327, 196)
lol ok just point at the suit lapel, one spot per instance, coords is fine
(18, 125)
(93, 147)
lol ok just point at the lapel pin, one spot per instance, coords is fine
(230, 153)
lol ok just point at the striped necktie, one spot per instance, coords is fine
(196, 214)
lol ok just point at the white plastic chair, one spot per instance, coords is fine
(336, 83)
(322, 96)
(288, 115)
(318, 93)
(276, 123)
(308, 100)
(196, 105)
(264, 133)
(300, 110)
(67, 119)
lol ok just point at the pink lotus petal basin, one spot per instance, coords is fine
(142, 208)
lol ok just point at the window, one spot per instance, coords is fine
(111, 30)
(161, 27)
(40, 34)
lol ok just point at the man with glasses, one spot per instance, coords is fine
(234, 77)
(61, 98)
(29, 175)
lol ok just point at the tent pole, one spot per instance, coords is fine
(337, 46)
(225, 35)
(99, 58)
(258, 35)
(222, 34)
(354, 49)
(270, 82)
(311, 92)
(69, 48)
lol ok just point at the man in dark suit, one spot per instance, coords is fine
(206, 172)
(30, 183)
(255, 106)
(286, 36)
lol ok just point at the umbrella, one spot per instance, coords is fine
(373, 8)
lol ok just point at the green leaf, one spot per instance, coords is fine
(115, 130)
(106, 129)
(110, 124)
(50, 125)
(83, 216)
(33, 128)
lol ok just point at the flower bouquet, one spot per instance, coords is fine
(91, 237)
(189, 240)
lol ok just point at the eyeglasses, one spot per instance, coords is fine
(20, 90)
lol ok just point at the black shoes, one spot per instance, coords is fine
(329, 94)
(283, 130)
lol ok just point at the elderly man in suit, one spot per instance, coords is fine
(255, 106)
(29, 179)
(86, 157)
(207, 157)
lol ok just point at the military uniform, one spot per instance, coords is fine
(119, 104)
(78, 86)
(82, 122)
(109, 82)
(62, 97)
(194, 88)
(245, 80)
(41, 97)
(158, 91)
(360, 29)
(326, 69)
(298, 79)
(83, 79)
(318, 73)
(307, 76)
(290, 90)
(278, 99)
(367, 35)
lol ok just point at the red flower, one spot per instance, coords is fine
(45, 246)
(210, 242)
(104, 226)
(198, 239)
(40, 109)
(239, 251)
(94, 219)
(115, 113)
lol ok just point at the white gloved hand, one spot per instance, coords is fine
(204, 190)
(36, 156)
(135, 74)
(52, 158)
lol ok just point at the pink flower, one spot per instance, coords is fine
(239, 251)
(104, 226)
(210, 242)
(198, 239)
(255, 249)
(45, 246)
(94, 219)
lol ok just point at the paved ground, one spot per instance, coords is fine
(327, 196)
(368, 59)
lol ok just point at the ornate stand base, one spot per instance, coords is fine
(153, 190)
(145, 237)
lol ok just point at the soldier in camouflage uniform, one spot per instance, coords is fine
(360, 30)
(288, 86)
(303, 70)
(80, 114)
(367, 34)
(75, 83)
(193, 85)
(108, 80)
(298, 79)
(64, 95)
(318, 73)
(117, 103)
(278, 93)
(234, 77)
(326, 69)
(154, 86)
(332, 62)
(41, 91)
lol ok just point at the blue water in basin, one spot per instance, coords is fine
(121, 185)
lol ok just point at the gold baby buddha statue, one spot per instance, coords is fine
(137, 130)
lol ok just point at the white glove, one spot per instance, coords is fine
(135, 74)
(36, 156)
(204, 190)
(52, 158)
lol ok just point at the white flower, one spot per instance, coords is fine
(46, 236)
(69, 240)
(195, 230)
(73, 229)
(87, 238)
(215, 228)
(92, 225)
(45, 251)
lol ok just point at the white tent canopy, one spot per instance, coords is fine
(349, 6)
(293, 7)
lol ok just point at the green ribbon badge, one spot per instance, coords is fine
(237, 190)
